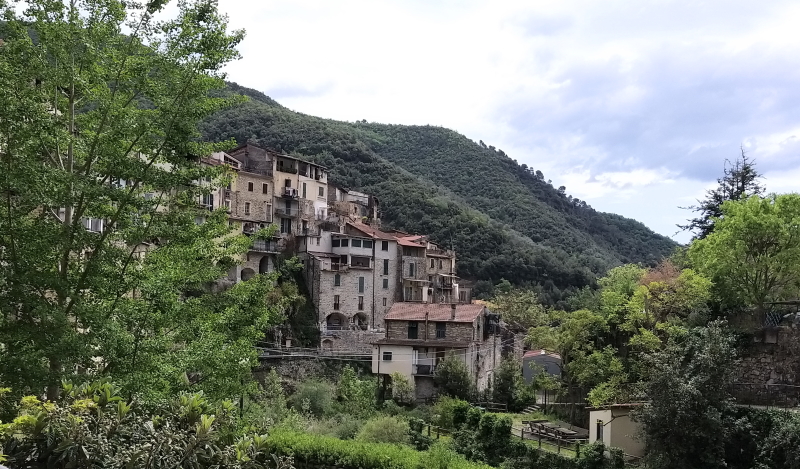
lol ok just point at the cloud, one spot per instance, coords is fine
(619, 101)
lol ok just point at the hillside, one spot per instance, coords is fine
(504, 219)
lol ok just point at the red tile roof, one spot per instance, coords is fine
(370, 231)
(436, 312)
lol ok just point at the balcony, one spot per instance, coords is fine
(338, 267)
(309, 231)
(415, 296)
(424, 370)
(262, 245)
(287, 169)
(287, 212)
(289, 193)
(257, 170)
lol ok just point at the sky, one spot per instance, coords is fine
(634, 106)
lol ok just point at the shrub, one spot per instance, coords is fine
(384, 430)
(313, 397)
(402, 389)
(447, 410)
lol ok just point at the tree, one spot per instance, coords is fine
(402, 389)
(106, 257)
(688, 389)
(740, 180)
(753, 255)
(520, 309)
(508, 386)
(452, 377)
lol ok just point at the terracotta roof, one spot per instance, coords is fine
(423, 343)
(538, 353)
(408, 242)
(436, 312)
(371, 232)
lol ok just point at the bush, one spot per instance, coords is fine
(313, 397)
(323, 451)
(446, 410)
(384, 430)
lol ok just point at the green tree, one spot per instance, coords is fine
(740, 180)
(508, 386)
(402, 389)
(753, 255)
(688, 389)
(452, 377)
(520, 309)
(98, 147)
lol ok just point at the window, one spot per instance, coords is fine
(336, 302)
(250, 186)
(361, 284)
(356, 243)
(411, 269)
(361, 303)
(264, 188)
(432, 263)
(384, 245)
(441, 330)
(413, 328)
(384, 302)
(287, 183)
(345, 243)
(385, 283)
(322, 192)
(247, 208)
(337, 280)
(386, 267)
(335, 242)
(368, 244)
(440, 263)
(304, 190)
(286, 225)
(599, 430)
(317, 241)
(387, 356)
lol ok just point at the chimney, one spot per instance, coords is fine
(453, 312)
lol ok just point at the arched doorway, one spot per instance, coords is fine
(336, 322)
(247, 274)
(265, 265)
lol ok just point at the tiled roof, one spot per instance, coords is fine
(409, 241)
(435, 311)
(370, 231)
(538, 353)
(423, 343)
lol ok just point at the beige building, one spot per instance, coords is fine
(613, 426)
(419, 335)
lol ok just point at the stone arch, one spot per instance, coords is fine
(336, 322)
(247, 274)
(327, 345)
(360, 321)
(265, 265)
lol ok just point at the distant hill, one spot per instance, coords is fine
(504, 219)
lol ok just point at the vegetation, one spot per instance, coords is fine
(98, 133)
(434, 181)
(452, 377)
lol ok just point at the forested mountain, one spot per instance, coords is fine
(503, 218)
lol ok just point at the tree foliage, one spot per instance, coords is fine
(753, 255)
(740, 180)
(452, 378)
(98, 138)
(688, 388)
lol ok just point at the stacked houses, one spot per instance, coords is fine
(361, 279)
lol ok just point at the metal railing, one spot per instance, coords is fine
(287, 212)
(257, 170)
(262, 245)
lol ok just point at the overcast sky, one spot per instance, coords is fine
(632, 105)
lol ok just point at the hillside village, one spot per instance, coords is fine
(157, 287)
(393, 294)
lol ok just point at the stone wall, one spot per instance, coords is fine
(454, 331)
(769, 373)
(350, 341)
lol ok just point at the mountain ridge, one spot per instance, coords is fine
(503, 219)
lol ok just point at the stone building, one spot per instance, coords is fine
(352, 279)
(419, 335)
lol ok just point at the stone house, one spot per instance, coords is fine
(419, 335)
(351, 277)
(613, 426)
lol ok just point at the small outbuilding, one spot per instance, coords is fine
(613, 426)
(540, 361)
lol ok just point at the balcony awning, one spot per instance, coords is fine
(416, 280)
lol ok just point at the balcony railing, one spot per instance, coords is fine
(262, 245)
(289, 192)
(287, 212)
(424, 370)
(417, 296)
(337, 267)
(287, 169)
(257, 170)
